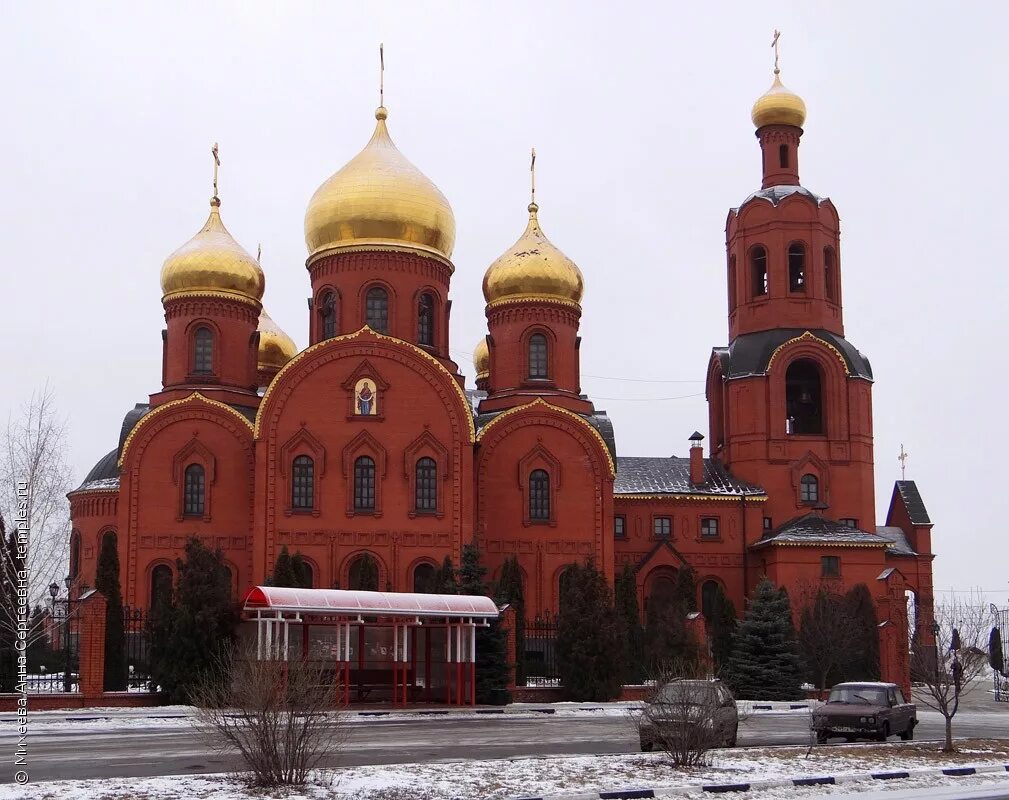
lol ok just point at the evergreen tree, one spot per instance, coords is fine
(302, 571)
(765, 663)
(863, 664)
(685, 588)
(492, 668)
(722, 625)
(445, 581)
(509, 591)
(107, 582)
(669, 643)
(283, 570)
(364, 574)
(589, 637)
(196, 626)
(626, 597)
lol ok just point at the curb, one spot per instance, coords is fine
(725, 788)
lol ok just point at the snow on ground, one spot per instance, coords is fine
(502, 779)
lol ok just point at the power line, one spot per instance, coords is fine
(647, 399)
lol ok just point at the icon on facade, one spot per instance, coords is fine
(365, 398)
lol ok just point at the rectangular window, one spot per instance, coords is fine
(767, 524)
(709, 527)
(849, 522)
(618, 528)
(663, 527)
(830, 566)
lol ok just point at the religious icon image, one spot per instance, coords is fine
(365, 398)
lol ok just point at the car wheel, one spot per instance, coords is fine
(821, 738)
(908, 734)
(885, 733)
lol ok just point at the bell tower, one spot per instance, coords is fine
(790, 399)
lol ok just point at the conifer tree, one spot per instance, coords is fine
(107, 582)
(492, 668)
(193, 629)
(283, 570)
(626, 598)
(445, 580)
(863, 664)
(765, 663)
(722, 626)
(301, 570)
(669, 643)
(509, 591)
(685, 588)
(589, 637)
(364, 574)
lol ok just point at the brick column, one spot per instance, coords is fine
(91, 643)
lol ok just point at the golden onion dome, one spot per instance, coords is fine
(212, 261)
(533, 269)
(379, 199)
(276, 348)
(778, 106)
(481, 359)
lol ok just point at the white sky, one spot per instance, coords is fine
(640, 117)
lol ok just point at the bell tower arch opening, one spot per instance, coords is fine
(804, 398)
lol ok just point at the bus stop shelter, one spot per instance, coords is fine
(381, 646)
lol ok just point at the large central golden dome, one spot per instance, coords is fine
(533, 269)
(379, 199)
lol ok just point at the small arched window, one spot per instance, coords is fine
(194, 491)
(424, 578)
(327, 313)
(303, 483)
(161, 585)
(203, 351)
(783, 156)
(732, 284)
(363, 574)
(426, 485)
(376, 309)
(307, 577)
(75, 556)
(758, 271)
(539, 495)
(829, 273)
(803, 398)
(796, 267)
(809, 489)
(364, 484)
(425, 319)
(709, 595)
(538, 357)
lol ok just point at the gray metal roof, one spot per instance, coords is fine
(813, 528)
(899, 545)
(775, 194)
(913, 503)
(672, 476)
(103, 475)
(599, 420)
(751, 353)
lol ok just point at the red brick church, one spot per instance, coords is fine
(371, 441)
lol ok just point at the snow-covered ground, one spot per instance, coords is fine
(502, 779)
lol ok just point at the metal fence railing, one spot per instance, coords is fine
(137, 649)
(539, 661)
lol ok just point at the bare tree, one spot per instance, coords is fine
(34, 472)
(827, 632)
(279, 715)
(951, 668)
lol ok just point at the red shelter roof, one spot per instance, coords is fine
(385, 604)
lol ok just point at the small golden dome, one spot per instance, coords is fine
(276, 348)
(212, 261)
(481, 359)
(778, 106)
(533, 269)
(380, 199)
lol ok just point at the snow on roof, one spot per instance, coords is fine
(387, 604)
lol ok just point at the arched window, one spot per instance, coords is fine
(539, 495)
(426, 485)
(829, 271)
(803, 398)
(424, 579)
(75, 556)
(195, 491)
(709, 593)
(203, 351)
(161, 585)
(363, 575)
(809, 489)
(303, 483)
(538, 356)
(307, 577)
(425, 320)
(758, 271)
(783, 156)
(796, 267)
(732, 284)
(327, 313)
(376, 309)
(364, 484)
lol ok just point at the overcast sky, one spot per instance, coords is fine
(640, 117)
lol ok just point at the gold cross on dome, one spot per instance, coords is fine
(381, 74)
(217, 163)
(774, 44)
(532, 176)
(902, 458)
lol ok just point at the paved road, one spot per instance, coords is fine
(140, 751)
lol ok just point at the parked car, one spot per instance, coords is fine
(866, 711)
(705, 710)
